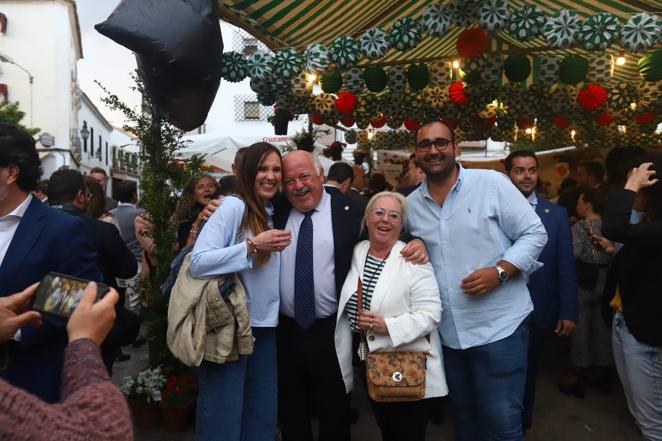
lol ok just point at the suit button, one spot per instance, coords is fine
(371, 337)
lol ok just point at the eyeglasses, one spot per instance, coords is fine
(440, 143)
(392, 215)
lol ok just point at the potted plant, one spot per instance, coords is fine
(143, 393)
(177, 401)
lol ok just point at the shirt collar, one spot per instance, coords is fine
(533, 199)
(125, 204)
(20, 210)
(425, 189)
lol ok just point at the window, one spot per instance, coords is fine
(91, 141)
(106, 152)
(251, 110)
(250, 46)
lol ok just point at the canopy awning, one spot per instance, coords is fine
(298, 23)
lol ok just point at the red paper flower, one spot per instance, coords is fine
(316, 118)
(604, 119)
(411, 125)
(379, 122)
(347, 102)
(457, 94)
(489, 122)
(644, 118)
(592, 97)
(347, 122)
(450, 122)
(471, 42)
(561, 122)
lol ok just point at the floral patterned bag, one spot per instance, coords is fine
(393, 376)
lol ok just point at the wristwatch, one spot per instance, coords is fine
(503, 274)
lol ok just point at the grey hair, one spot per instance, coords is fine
(382, 194)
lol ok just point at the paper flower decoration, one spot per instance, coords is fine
(375, 78)
(436, 20)
(599, 68)
(259, 65)
(457, 93)
(300, 85)
(650, 66)
(604, 119)
(411, 124)
(325, 103)
(316, 118)
(347, 122)
(517, 67)
(362, 123)
(435, 97)
(561, 122)
(331, 82)
(405, 34)
(644, 118)
(233, 67)
(561, 29)
(494, 15)
(378, 123)
(317, 57)
(266, 98)
(287, 63)
(347, 102)
(527, 22)
(344, 52)
(440, 73)
(397, 78)
(573, 69)
(599, 31)
(374, 43)
(641, 32)
(353, 80)
(463, 14)
(471, 42)
(548, 69)
(418, 76)
(259, 86)
(591, 97)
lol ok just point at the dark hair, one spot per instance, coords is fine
(432, 121)
(508, 163)
(568, 200)
(228, 184)
(42, 187)
(567, 183)
(64, 185)
(96, 206)
(340, 172)
(377, 183)
(17, 148)
(593, 168)
(99, 170)
(237, 157)
(334, 151)
(126, 190)
(653, 194)
(255, 218)
(619, 161)
(597, 197)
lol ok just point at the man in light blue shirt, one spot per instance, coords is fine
(483, 240)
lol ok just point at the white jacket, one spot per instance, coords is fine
(407, 296)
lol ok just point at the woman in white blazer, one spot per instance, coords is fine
(401, 305)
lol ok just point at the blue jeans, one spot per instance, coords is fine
(639, 367)
(486, 387)
(237, 401)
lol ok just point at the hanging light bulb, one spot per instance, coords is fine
(311, 78)
(456, 64)
(573, 132)
(620, 60)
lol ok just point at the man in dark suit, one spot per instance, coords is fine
(115, 260)
(34, 240)
(553, 288)
(341, 176)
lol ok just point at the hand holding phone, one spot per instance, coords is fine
(59, 294)
(93, 319)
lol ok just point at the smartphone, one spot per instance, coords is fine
(59, 294)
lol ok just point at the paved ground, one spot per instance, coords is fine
(599, 417)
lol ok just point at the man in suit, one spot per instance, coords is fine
(341, 176)
(69, 193)
(553, 288)
(325, 226)
(34, 240)
(100, 175)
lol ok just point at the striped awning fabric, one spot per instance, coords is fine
(297, 23)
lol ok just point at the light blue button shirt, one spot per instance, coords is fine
(484, 219)
(217, 252)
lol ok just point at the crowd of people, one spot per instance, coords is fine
(472, 267)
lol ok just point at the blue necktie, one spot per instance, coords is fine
(304, 283)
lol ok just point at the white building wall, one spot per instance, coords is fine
(41, 38)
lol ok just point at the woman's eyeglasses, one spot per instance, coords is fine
(391, 215)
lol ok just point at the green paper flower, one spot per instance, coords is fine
(436, 20)
(344, 52)
(463, 14)
(375, 78)
(621, 96)
(562, 100)
(650, 66)
(548, 69)
(641, 32)
(300, 84)
(517, 67)
(350, 136)
(266, 98)
(599, 69)
(405, 34)
(494, 15)
(527, 22)
(599, 31)
(259, 65)
(573, 69)
(418, 76)
(233, 67)
(353, 80)
(260, 86)
(317, 57)
(397, 78)
(287, 63)
(331, 81)
(279, 85)
(561, 29)
(374, 43)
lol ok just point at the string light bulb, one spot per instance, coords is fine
(456, 64)
(620, 60)
(573, 132)
(311, 78)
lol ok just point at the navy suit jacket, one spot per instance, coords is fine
(46, 240)
(554, 287)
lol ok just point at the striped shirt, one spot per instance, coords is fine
(371, 271)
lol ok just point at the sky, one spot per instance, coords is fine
(104, 60)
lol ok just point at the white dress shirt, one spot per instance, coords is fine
(9, 224)
(324, 268)
(533, 199)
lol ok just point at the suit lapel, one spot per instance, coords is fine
(28, 231)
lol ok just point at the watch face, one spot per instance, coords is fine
(503, 274)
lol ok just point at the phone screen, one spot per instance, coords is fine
(59, 294)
